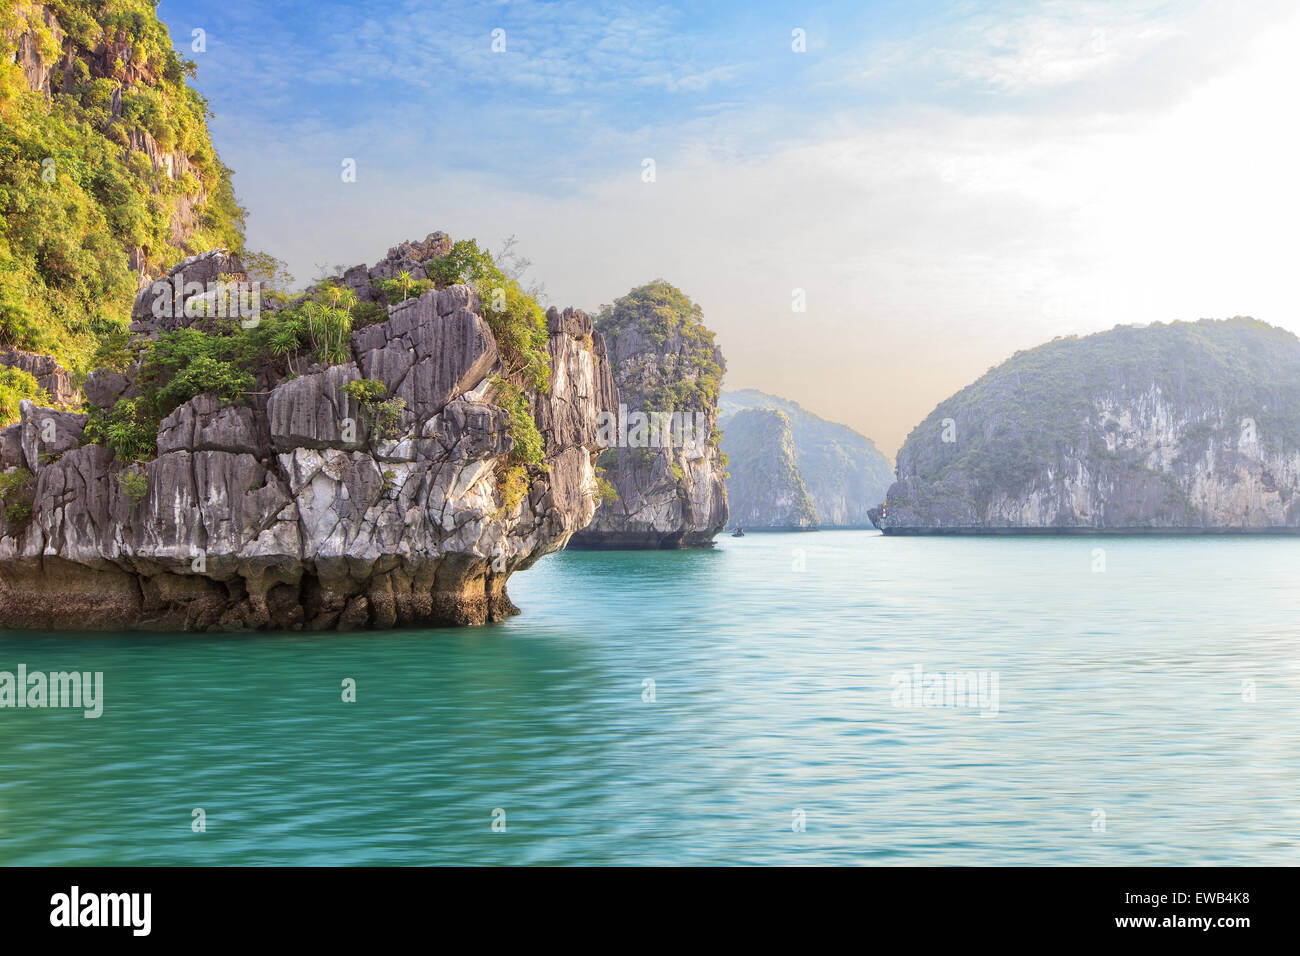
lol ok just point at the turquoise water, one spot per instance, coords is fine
(1120, 691)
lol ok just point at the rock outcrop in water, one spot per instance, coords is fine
(670, 492)
(764, 489)
(844, 473)
(1188, 427)
(291, 507)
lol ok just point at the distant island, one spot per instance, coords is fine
(1190, 427)
(764, 486)
(792, 470)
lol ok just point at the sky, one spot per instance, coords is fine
(939, 184)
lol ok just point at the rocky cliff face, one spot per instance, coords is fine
(670, 490)
(290, 507)
(1182, 427)
(764, 488)
(409, 257)
(843, 471)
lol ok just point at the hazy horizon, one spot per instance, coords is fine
(946, 183)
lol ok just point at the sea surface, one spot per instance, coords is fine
(745, 705)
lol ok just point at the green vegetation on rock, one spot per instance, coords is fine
(512, 312)
(383, 416)
(1042, 404)
(668, 370)
(130, 428)
(512, 485)
(683, 350)
(134, 483)
(112, 158)
(528, 445)
(222, 360)
(16, 490)
(16, 385)
(402, 288)
(1151, 426)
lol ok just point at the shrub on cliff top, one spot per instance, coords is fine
(514, 315)
(205, 375)
(321, 325)
(690, 379)
(175, 368)
(188, 362)
(402, 288)
(327, 323)
(366, 390)
(464, 263)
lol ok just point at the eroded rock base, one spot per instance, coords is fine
(53, 594)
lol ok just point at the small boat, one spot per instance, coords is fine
(738, 533)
